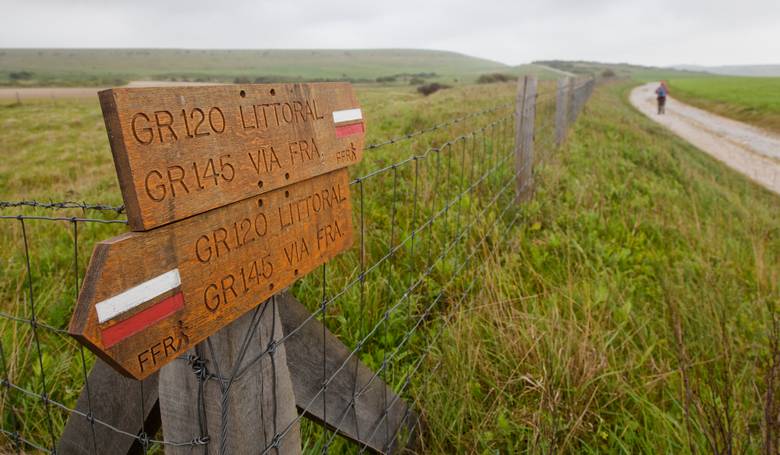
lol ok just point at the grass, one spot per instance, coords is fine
(754, 100)
(625, 70)
(632, 309)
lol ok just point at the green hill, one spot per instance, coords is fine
(98, 66)
(626, 70)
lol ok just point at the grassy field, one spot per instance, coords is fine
(753, 100)
(633, 308)
(635, 311)
(69, 67)
(624, 70)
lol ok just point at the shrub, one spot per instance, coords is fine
(433, 87)
(416, 81)
(20, 75)
(607, 73)
(495, 77)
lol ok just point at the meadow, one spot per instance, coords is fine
(754, 100)
(632, 308)
(111, 67)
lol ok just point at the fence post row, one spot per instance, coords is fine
(525, 114)
(560, 111)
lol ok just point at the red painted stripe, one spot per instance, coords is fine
(349, 130)
(118, 332)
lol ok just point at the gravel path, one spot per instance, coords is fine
(745, 148)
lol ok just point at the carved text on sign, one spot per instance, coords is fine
(185, 150)
(148, 296)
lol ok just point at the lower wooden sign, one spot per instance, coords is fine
(149, 296)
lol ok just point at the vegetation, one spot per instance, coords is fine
(632, 309)
(495, 77)
(67, 67)
(753, 100)
(429, 89)
(625, 70)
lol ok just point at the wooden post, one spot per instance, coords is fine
(116, 401)
(571, 104)
(522, 84)
(524, 137)
(357, 403)
(247, 399)
(113, 400)
(561, 102)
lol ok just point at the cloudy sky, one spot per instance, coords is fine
(664, 32)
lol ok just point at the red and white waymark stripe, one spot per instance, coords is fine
(135, 297)
(348, 122)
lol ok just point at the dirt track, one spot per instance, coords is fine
(747, 149)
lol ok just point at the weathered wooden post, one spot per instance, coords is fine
(234, 193)
(235, 389)
(561, 110)
(525, 114)
(360, 407)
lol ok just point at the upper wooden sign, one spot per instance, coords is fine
(181, 151)
(147, 297)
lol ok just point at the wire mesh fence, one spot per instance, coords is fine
(428, 208)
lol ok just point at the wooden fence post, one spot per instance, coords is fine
(374, 417)
(247, 404)
(113, 399)
(561, 100)
(525, 109)
(519, 117)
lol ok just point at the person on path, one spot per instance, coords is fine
(661, 92)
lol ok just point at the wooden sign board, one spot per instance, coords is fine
(181, 151)
(147, 297)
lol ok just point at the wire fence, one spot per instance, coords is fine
(429, 207)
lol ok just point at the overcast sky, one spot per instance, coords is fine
(665, 32)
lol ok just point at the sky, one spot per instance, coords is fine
(660, 33)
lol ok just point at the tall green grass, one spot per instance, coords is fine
(634, 311)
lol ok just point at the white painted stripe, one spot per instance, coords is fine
(347, 115)
(131, 298)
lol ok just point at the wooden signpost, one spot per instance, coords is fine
(148, 296)
(238, 191)
(185, 150)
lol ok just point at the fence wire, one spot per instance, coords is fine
(430, 207)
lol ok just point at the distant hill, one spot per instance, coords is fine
(98, 66)
(736, 70)
(638, 72)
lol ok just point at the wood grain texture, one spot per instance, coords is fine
(230, 259)
(115, 400)
(355, 401)
(180, 151)
(561, 110)
(303, 352)
(520, 100)
(524, 154)
(251, 403)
